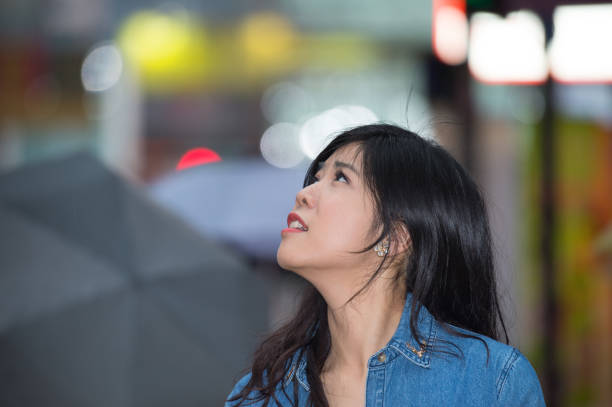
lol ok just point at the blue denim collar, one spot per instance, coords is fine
(401, 344)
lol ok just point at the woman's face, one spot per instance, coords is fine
(337, 210)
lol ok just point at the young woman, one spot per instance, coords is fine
(402, 309)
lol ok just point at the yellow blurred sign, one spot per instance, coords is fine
(168, 51)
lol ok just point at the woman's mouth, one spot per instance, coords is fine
(295, 224)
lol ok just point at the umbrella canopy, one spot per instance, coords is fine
(108, 300)
(254, 196)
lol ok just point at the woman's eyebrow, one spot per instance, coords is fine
(338, 164)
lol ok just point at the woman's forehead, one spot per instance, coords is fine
(350, 154)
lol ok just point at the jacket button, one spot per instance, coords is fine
(382, 357)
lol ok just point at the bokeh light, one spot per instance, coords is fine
(507, 50)
(320, 129)
(197, 156)
(268, 40)
(450, 32)
(580, 48)
(101, 68)
(280, 145)
(167, 49)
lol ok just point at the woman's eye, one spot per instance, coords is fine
(341, 177)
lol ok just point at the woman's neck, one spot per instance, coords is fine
(363, 326)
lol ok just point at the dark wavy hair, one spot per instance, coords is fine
(417, 184)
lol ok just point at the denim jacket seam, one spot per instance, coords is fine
(290, 375)
(410, 358)
(299, 371)
(433, 335)
(508, 366)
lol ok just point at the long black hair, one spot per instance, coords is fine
(418, 185)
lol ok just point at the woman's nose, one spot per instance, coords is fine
(304, 197)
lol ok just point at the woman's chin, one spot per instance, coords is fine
(283, 259)
(289, 260)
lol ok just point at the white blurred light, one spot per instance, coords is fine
(509, 50)
(319, 130)
(286, 102)
(101, 68)
(450, 35)
(580, 49)
(280, 145)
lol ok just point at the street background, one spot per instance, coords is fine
(150, 152)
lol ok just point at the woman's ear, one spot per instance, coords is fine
(402, 243)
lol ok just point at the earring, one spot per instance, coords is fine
(382, 248)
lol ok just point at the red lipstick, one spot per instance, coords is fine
(292, 218)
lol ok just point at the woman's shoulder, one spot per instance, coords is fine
(515, 379)
(477, 348)
(240, 384)
(254, 398)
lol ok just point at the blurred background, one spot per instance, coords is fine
(150, 152)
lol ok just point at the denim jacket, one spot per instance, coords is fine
(408, 373)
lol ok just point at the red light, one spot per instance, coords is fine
(450, 31)
(197, 156)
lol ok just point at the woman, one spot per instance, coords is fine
(402, 309)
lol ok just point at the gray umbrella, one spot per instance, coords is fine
(108, 300)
